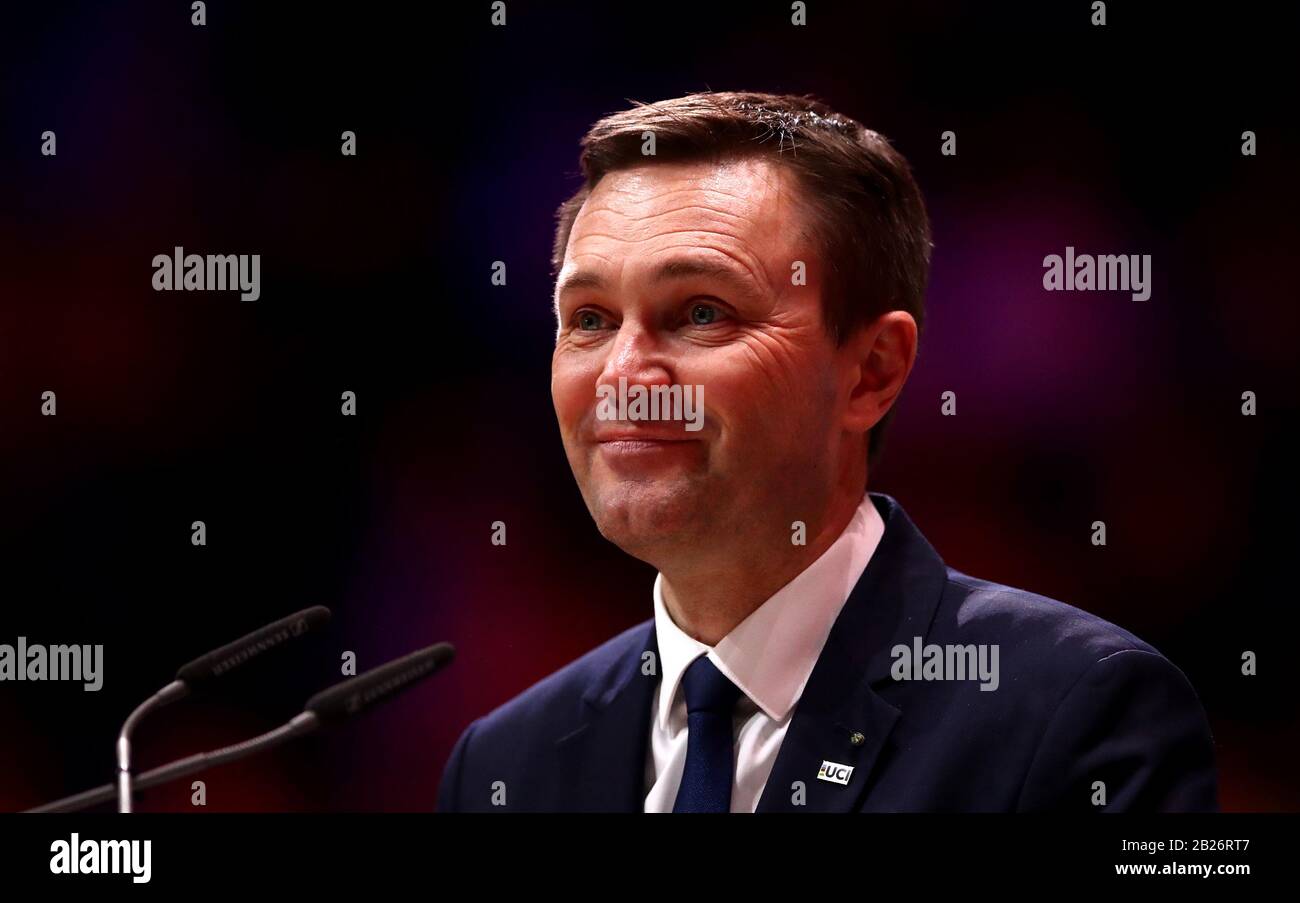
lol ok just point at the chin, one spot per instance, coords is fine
(642, 517)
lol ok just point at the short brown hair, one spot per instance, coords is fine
(870, 221)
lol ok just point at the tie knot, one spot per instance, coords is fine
(707, 689)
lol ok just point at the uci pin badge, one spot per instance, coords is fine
(835, 773)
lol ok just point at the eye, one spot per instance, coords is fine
(702, 314)
(588, 320)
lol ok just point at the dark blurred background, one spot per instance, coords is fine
(182, 406)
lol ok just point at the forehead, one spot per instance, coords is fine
(749, 209)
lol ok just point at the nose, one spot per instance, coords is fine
(637, 356)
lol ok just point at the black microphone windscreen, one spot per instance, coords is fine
(232, 655)
(352, 696)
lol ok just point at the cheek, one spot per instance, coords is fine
(762, 389)
(573, 388)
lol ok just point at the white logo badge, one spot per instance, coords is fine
(835, 773)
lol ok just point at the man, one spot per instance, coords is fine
(809, 650)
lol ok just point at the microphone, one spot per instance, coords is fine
(330, 706)
(353, 696)
(205, 669)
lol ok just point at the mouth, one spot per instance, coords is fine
(641, 437)
(643, 440)
(632, 446)
(634, 451)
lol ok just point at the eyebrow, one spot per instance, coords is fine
(669, 270)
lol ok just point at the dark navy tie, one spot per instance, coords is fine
(710, 701)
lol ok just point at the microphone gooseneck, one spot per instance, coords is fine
(205, 669)
(175, 690)
(332, 705)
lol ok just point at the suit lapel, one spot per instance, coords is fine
(602, 762)
(840, 718)
(845, 730)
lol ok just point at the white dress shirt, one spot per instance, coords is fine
(769, 656)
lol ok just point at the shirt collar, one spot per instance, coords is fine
(771, 653)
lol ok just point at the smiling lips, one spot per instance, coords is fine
(625, 435)
(637, 449)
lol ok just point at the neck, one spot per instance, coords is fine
(707, 599)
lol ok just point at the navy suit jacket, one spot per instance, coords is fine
(1079, 700)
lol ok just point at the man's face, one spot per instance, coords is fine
(682, 274)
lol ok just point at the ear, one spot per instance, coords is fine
(877, 360)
